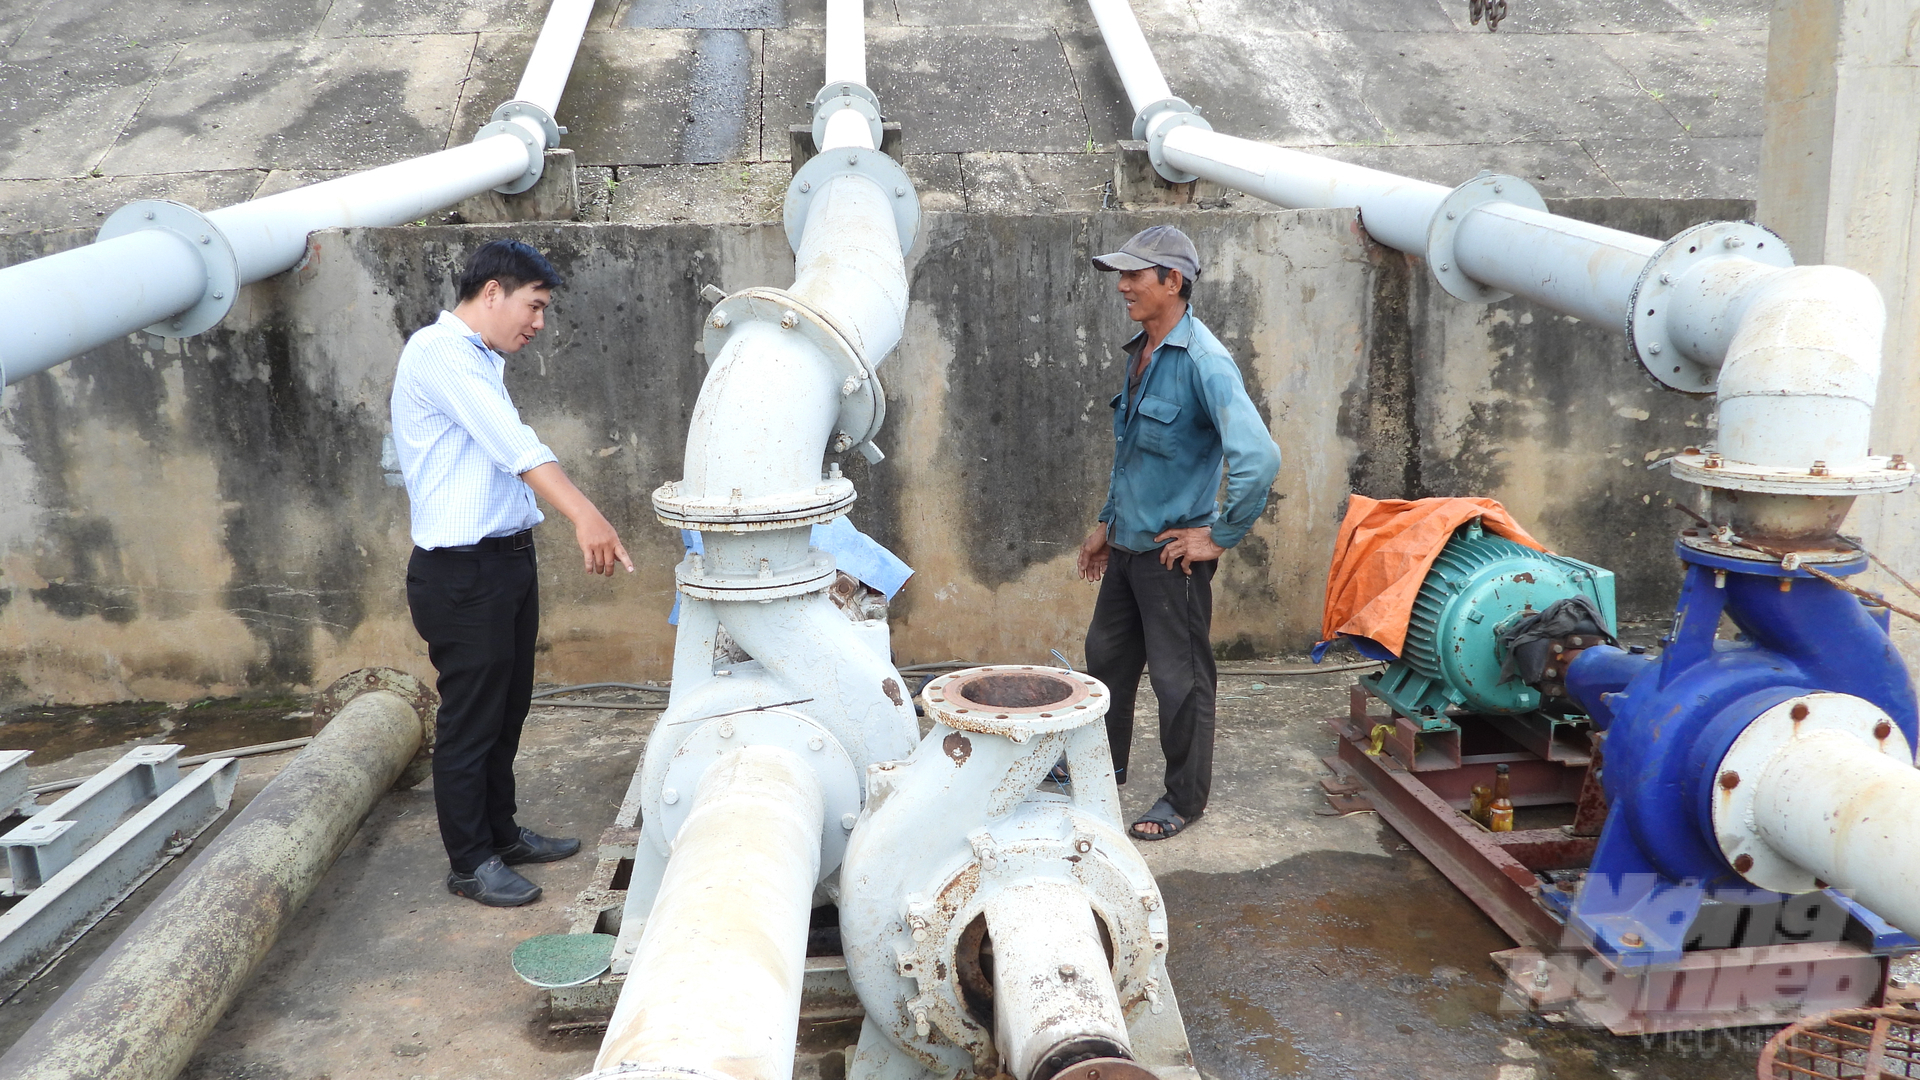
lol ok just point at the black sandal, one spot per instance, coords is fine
(1163, 814)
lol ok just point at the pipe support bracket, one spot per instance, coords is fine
(1654, 304)
(836, 96)
(215, 251)
(1445, 226)
(1152, 125)
(885, 173)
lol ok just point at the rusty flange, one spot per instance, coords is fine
(426, 704)
(1016, 701)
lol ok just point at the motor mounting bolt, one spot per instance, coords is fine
(1558, 648)
(1729, 779)
(1742, 862)
(1882, 729)
(1551, 673)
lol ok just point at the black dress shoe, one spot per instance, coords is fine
(532, 847)
(494, 885)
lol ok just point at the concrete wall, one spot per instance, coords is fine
(179, 518)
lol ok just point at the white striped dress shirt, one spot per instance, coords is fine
(461, 443)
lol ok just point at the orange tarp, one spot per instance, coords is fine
(1383, 553)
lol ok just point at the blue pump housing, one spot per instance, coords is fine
(1670, 719)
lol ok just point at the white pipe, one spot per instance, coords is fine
(1587, 271)
(714, 990)
(1053, 995)
(850, 267)
(62, 305)
(1394, 209)
(846, 41)
(763, 417)
(1845, 813)
(1132, 57)
(847, 129)
(78, 300)
(545, 76)
(1801, 373)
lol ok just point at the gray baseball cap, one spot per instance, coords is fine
(1160, 245)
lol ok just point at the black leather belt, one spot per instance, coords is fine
(517, 542)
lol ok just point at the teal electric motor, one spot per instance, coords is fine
(1478, 588)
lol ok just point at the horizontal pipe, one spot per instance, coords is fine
(1844, 812)
(545, 76)
(144, 1006)
(1395, 210)
(714, 990)
(1132, 57)
(269, 235)
(62, 305)
(1587, 271)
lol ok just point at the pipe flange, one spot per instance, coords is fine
(1044, 839)
(863, 402)
(216, 254)
(1153, 123)
(836, 96)
(813, 575)
(1868, 476)
(1014, 701)
(827, 166)
(1441, 260)
(425, 703)
(536, 149)
(790, 510)
(1713, 551)
(1648, 307)
(1735, 782)
(510, 110)
(786, 729)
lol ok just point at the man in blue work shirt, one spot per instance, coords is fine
(472, 470)
(1183, 412)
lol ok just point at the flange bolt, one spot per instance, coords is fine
(1899, 461)
(1882, 729)
(1632, 940)
(1729, 779)
(1743, 862)
(1819, 469)
(1713, 461)
(1067, 971)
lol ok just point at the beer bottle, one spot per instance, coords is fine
(1500, 810)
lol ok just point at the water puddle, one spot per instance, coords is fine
(1334, 964)
(57, 733)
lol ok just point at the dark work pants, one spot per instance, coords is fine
(479, 613)
(1160, 619)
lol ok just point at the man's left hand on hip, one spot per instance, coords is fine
(1188, 546)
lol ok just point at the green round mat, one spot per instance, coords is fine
(553, 960)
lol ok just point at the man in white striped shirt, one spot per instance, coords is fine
(472, 470)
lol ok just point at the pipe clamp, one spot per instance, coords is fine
(1649, 307)
(1445, 226)
(206, 239)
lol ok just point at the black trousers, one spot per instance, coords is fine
(1160, 619)
(479, 613)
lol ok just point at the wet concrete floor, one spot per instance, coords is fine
(1302, 945)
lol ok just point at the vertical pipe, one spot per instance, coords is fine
(1053, 998)
(143, 1007)
(846, 41)
(714, 989)
(1829, 802)
(1132, 57)
(547, 68)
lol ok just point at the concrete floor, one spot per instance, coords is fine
(1302, 945)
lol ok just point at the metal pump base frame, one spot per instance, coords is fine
(1525, 881)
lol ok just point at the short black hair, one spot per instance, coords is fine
(1186, 283)
(513, 264)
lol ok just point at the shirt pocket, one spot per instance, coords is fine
(1157, 417)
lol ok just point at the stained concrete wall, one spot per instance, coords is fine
(211, 515)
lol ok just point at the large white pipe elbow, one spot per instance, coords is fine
(1845, 813)
(714, 990)
(762, 419)
(1801, 374)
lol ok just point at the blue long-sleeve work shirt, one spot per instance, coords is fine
(1190, 413)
